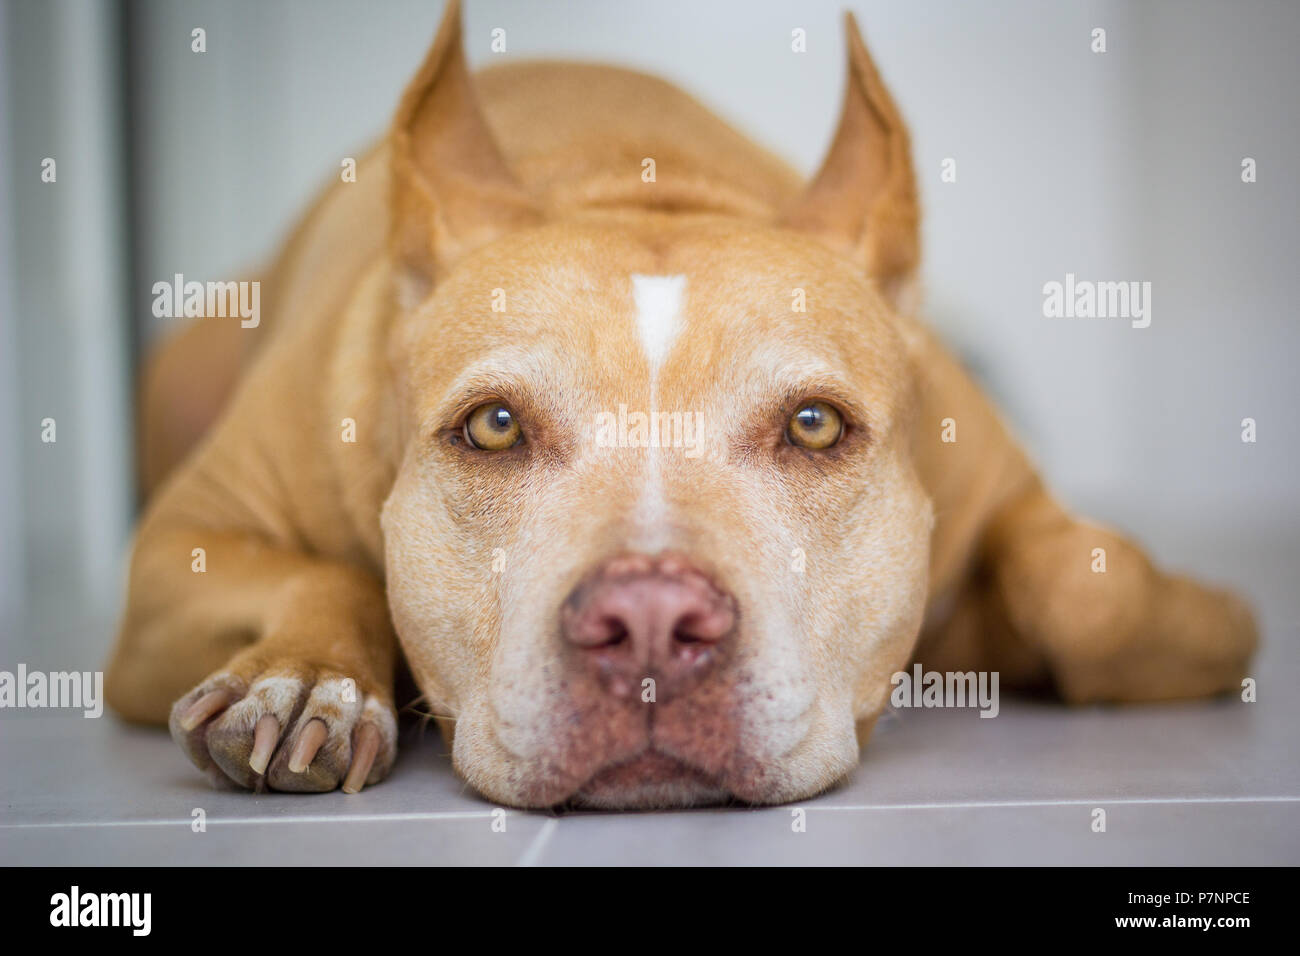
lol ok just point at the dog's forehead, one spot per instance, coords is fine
(625, 307)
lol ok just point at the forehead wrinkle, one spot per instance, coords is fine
(735, 372)
(509, 371)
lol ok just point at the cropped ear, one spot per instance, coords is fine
(863, 200)
(451, 187)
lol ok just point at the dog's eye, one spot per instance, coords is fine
(816, 426)
(492, 427)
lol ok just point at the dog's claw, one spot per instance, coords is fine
(265, 736)
(285, 726)
(363, 757)
(203, 708)
(309, 741)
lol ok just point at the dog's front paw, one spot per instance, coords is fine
(286, 727)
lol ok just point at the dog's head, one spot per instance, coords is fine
(655, 538)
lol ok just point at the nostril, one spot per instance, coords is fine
(607, 630)
(705, 626)
(617, 634)
(594, 630)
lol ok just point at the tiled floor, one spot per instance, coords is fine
(1210, 782)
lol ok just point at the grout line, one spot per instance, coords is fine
(548, 828)
(534, 852)
(1100, 801)
(352, 818)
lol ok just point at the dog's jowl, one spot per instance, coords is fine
(549, 431)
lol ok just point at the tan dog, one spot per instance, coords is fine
(606, 611)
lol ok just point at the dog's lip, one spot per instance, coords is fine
(650, 767)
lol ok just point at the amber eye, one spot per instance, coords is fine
(492, 427)
(816, 426)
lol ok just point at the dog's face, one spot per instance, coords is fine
(655, 538)
(631, 625)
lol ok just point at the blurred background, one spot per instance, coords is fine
(1123, 165)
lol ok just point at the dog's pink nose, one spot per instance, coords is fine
(640, 617)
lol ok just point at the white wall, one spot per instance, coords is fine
(1222, 82)
(63, 286)
(12, 563)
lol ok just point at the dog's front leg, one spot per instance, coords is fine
(1110, 625)
(1022, 587)
(280, 664)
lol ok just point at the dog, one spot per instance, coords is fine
(630, 446)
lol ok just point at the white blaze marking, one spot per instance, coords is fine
(658, 314)
(658, 319)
